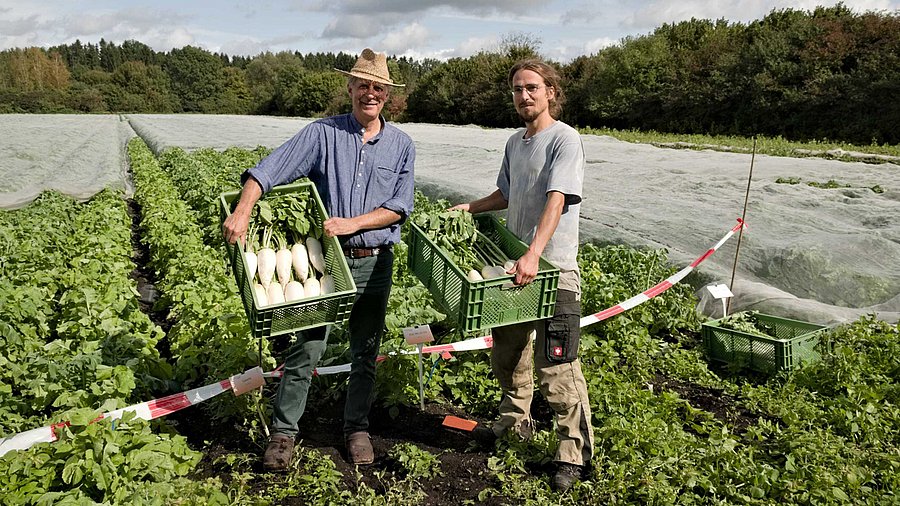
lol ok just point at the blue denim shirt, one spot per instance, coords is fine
(353, 178)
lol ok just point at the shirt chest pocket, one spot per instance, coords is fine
(386, 175)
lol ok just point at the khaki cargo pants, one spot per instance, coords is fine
(562, 384)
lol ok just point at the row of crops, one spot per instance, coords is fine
(670, 429)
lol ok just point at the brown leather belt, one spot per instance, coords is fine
(365, 252)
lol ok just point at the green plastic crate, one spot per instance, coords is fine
(287, 317)
(479, 305)
(794, 343)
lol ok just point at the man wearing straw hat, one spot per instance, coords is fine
(363, 169)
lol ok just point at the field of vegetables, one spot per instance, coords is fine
(80, 336)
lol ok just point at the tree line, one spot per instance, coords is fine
(828, 73)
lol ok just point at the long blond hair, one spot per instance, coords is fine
(551, 80)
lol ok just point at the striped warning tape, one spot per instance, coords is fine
(661, 287)
(252, 378)
(481, 343)
(147, 410)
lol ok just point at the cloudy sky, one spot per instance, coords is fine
(417, 28)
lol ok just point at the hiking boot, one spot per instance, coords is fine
(278, 454)
(566, 476)
(484, 435)
(359, 448)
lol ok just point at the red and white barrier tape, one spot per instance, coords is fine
(150, 410)
(661, 287)
(147, 410)
(482, 343)
(253, 378)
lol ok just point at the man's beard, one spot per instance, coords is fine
(528, 115)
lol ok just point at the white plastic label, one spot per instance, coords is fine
(720, 291)
(418, 334)
(248, 380)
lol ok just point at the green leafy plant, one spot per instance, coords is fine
(747, 322)
(416, 462)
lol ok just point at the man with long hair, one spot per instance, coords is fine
(540, 183)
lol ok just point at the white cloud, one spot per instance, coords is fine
(595, 45)
(354, 26)
(474, 45)
(582, 14)
(236, 44)
(404, 39)
(179, 37)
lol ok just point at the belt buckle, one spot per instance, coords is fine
(356, 253)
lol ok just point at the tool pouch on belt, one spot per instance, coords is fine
(563, 329)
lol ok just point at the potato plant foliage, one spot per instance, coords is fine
(669, 428)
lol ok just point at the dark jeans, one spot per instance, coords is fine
(372, 276)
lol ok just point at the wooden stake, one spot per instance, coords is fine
(744, 220)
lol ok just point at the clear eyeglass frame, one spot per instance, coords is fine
(530, 88)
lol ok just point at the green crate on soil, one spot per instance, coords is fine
(480, 305)
(793, 343)
(287, 317)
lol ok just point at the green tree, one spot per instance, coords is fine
(137, 87)
(465, 90)
(305, 93)
(237, 98)
(262, 75)
(197, 78)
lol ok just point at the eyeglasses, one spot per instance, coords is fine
(530, 88)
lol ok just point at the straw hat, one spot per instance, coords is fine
(371, 66)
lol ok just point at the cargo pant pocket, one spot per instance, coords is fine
(563, 330)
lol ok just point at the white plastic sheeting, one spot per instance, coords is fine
(78, 155)
(814, 254)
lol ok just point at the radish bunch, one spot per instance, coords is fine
(284, 272)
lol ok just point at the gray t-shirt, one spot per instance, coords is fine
(552, 160)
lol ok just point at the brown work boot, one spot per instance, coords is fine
(278, 453)
(566, 476)
(359, 448)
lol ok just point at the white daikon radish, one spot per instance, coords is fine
(300, 261)
(316, 257)
(283, 262)
(311, 287)
(474, 275)
(265, 258)
(293, 291)
(487, 272)
(499, 271)
(275, 293)
(250, 257)
(261, 296)
(508, 265)
(326, 284)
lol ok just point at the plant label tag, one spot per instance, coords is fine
(248, 380)
(418, 334)
(719, 291)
